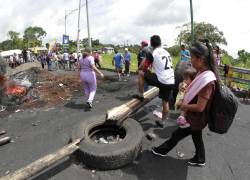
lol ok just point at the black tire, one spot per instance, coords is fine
(112, 156)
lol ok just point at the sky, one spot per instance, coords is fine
(128, 21)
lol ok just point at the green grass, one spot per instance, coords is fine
(107, 61)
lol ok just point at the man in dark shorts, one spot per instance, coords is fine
(163, 76)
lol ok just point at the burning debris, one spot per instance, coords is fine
(35, 88)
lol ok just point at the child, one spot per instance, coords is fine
(188, 77)
(118, 61)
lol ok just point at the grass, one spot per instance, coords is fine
(107, 63)
(108, 58)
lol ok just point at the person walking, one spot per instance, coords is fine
(185, 54)
(141, 56)
(87, 71)
(97, 58)
(66, 59)
(117, 62)
(196, 104)
(127, 62)
(163, 76)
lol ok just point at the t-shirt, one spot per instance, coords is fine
(127, 57)
(65, 56)
(162, 65)
(184, 53)
(86, 64)
(198, 120)
(96, 57)
(118, 60)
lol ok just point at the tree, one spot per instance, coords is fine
(6, 45)
(33, 36)
(244, 57)
(201, 31)
(16, 42)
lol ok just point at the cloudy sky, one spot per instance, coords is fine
(129, 21)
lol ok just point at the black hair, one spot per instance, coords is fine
(116, 51)
(155, 41)
(190, 72)
(204, 51)
(182, 46)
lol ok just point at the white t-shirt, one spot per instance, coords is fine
(162, 66)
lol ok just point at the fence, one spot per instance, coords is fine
(236, 75)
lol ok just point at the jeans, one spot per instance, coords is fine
(180, 134)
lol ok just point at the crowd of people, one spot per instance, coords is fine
(155, 68)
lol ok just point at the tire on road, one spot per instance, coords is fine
(112, 156)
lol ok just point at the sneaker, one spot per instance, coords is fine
(195, 162)
(90, 104)
(160, 123)
(159, 152)
(139, 97)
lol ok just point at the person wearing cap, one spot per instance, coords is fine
(162, 77)
(127, 61)
(87, 70)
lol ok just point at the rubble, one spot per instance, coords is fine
(34, 88)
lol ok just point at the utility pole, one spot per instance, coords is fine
(65, 32)
(89, 38)
(192, 20)
(78, 29)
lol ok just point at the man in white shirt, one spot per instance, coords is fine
(163, 76)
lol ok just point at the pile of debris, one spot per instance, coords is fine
(35, 88)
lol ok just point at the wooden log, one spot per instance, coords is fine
(2, 132)
(4, 140)
(122, 112)
(43, 163)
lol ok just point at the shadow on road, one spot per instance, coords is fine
(73, 105)
(151, 167)
(54, 170)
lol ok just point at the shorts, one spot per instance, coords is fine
(118, 69)
(165, 89)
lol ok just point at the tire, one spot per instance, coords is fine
(112, 156)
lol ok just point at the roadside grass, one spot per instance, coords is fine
(108, 58)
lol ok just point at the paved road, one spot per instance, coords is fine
(37, 132)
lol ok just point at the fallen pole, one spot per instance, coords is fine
(43, 163)
(122, 112)
(4, 140)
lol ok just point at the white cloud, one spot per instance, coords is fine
(119, 21)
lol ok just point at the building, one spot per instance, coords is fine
(108, 50)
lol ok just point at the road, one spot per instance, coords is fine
(37, 132)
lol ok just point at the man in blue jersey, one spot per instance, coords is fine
(118, 61)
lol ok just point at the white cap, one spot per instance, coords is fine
(126, 49)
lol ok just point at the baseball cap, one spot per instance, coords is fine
(144, 42)
(126, 49)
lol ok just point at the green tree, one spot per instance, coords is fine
(244, 58)
(6, 45)
(17, 42)
(201, 31)
(33, 36)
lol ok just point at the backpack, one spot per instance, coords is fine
(223, 109)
